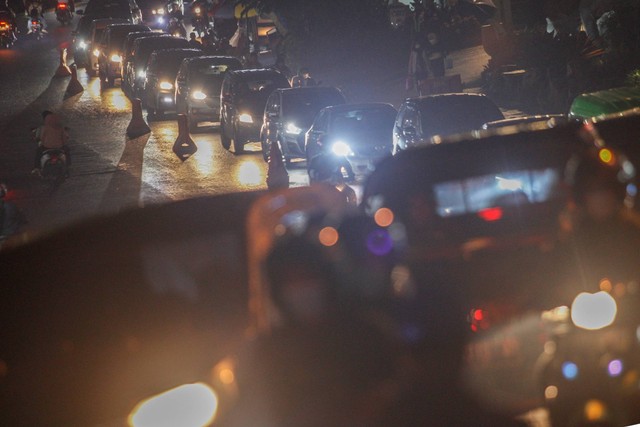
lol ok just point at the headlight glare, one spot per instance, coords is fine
(245, 118)
(96, 53)
(116, 58)
(198, 95)
(166, 86)
(142, 74)
(189, 405)
(293, 129)
(593, 311)
(341, 148)
(82, 45)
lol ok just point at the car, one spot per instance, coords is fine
(111, 50)
(604, 102)
(154, 13)
(288, 115)
(359, 133)
(421, 118)
(142, 50)
(242, 102)
(160, 78)
(98, 27)
(545, 119)
(127, 56)
(198, 85)
(97, 9)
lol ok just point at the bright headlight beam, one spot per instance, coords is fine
(198, 95)
(116, 58)
(166, 86)
(293, 129)
(189, 405)
(245, 118)
(341, 148)
(593, 311)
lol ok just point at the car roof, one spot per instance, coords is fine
(104, 22)
(127, 25)
(361, 106)
(256, 72)
(213, 59)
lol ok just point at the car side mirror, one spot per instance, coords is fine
(409, 131)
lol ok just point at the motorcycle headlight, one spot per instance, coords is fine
(293, 129)
(189, 405)
(198, 95)
(96, 53)
(116, 58)
(593, 311)
(196, 10)
(166, 86)
(341, 148)
(245, 118)
(160, 20)
(82, 45)
(142, 74)
(159, 11)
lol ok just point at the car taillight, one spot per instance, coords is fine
(34, 22)
(491, 214)
(62, 5)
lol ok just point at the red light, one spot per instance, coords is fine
(478, 315)
(62, 5)
(491, 214)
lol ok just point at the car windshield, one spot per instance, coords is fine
(307, 103)
(447, 115)
(118, 35)
(363, 120)
(168, 65)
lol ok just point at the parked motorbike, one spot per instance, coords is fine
(589, 369)
(7, 35)
(63, 13)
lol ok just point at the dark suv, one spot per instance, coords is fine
(288, 115)
(423, 117)
(242, 102)
(198, 85)
(111, 50)
(127, 10)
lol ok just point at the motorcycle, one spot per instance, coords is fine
(35, 26)
(199, 20)
(588, 371)
(53, 165)
(176, 28)
(63, 13)
(7, 35)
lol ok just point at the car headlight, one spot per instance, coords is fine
(189, 405)
(196, 10)
(341, 148)
(593, 311)
(198, 95)
(245, 118)
(158, 12)
(116, 58)
(293, 129)
(160, 20)
(82, 45)
(166, 86)
(96, 53)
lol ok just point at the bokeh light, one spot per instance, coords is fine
(383, 217)
(328, 236)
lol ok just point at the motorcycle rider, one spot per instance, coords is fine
(303, 78)
(51, 135)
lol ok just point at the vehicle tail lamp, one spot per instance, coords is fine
(593, 311)
(491, 214)
(166, 86)
(62, 5)
(245, 118)
(189, 405)
(198, 95)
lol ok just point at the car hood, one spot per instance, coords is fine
(362, 142)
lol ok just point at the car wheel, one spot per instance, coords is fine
(224, 139)
(238, 143)
(110, 81)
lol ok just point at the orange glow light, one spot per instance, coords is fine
(605, 155)
(328, 236)
(605, 285)
(383, 217)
